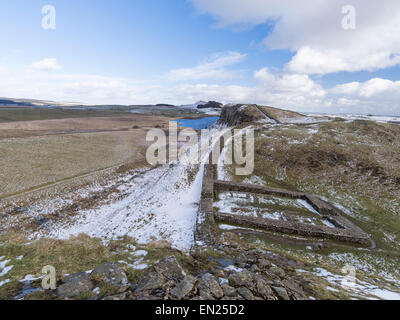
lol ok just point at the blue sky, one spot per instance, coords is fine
(181, 51)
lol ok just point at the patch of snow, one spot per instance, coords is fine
(233, 268)
(227, 227)
(131, 246)
(305, 120)
(4, 269)
(140, 253)
(328, 224)
(305, 204)
(3, 282)
(30, 278)
(140, 266)
(360, 288)
(350, 116)
(137, 265)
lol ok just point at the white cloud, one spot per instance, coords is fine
(298, 92)
(47, 64)
(296, 83)
(77, 88)
(314, 31)
(214, 68)
(374, 89)
(287, 90)
(301, 93)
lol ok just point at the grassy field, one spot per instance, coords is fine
(36, 161)
(9, 114)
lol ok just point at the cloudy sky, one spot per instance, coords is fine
(284, 53)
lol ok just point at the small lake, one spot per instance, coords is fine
(197, 124)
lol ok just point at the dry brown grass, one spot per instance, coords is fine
(35, 161)
(74, 125)
(67, 256)
(280, 114)
(342, 153)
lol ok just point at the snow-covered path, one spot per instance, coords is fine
(161, 204)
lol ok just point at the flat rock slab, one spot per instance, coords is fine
(75, 285)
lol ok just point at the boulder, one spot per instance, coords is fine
(166, 279)
(150, 282)
(241, 279)
(281, 293)
(111, 274)
(277, 271)
(228, 290)
(209, 287)
(246, 293)
(183, 288)
(263, 289)
(264, 264)
(170, 269)
(75, 285)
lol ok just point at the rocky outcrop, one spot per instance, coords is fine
(233, 115)
(250, 275)
(111, 275)
(74, 285)
(210, 104)
(237, 114)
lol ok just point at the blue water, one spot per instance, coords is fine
(197, 124)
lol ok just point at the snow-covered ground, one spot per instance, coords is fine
(356, 286)
(351, 116)
(161, 203)
(5, 267)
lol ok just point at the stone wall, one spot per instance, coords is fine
(206, 232)
(345, 229)
(294, 228)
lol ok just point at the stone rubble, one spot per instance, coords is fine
(253, 275)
